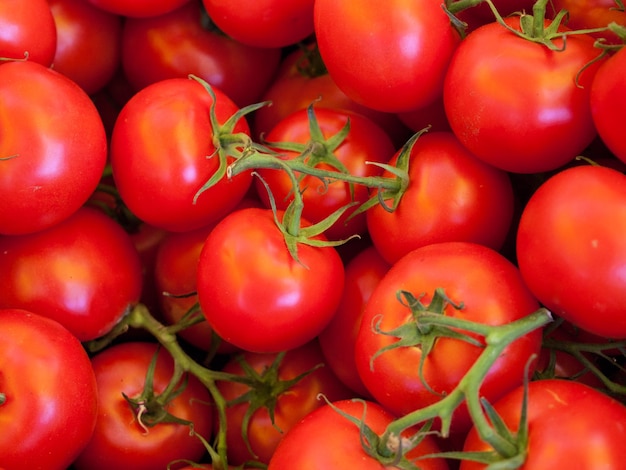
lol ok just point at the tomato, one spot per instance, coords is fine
(28, 31)
(148, 45)
(608, 96)
(124, 436)
(263, 23)
(53, 147)
(326, 439)
(338, 339)
(160, 151)
(492, 292)
(81, 29)
(570, 425)
(50, 400)
(84, 273)
(451, 196)
(481, 14)
(570, 247)
(289, 405)
(390, 56)
(365, 142)
(432, 116)
(263, 300)
(518, 105)
(138, 8)
(589, 14)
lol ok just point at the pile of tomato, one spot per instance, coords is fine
(315, 234)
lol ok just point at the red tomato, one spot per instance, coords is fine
(338, 339)
(492, 292)
(326, 439)
(160, 155)
(589, 14)
(148, 45)
(120, 440)
(138, 8)
(570, 247)
(391, 56)
(289, 405)
(518, 117)
(608, 97)
(82, 29)
(366, 142)
(49, 389)
(84, 273)
(263, 23)
(53, 147)
(570, 425)
(28, 30)
(451, 196)
(263, 300)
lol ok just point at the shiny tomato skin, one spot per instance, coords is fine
(28, 31)
(51, 394)
(160, 150)
(119, 441)
(138, 8)
(451, 196)
(564, 430)
(390, 56)
(570, 247)
(148, 45)
(518, 117)
(608, 98)
(255, 295)
(291, 406)
(53, 148)
(84, 273)
(363, 272)
(326, 439)
(366, 142)
(492, 291)
(81, 29)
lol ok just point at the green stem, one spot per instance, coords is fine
(460, 5)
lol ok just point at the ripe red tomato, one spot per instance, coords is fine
(289, 405)
(451, 196)
(148, 45)
(518, 117)
(263, 300)
(366, 142)
(53, 147)
(390, 56)
(326, 439)
(263, 23)
(50, 400)
(84, 273)
(28, 31)
(564, 427)
(589, 14)
(492, 292)
(138, 8)
(608, 97)
(160, 154)
(570, 247)
(120, 440)
(82, 29)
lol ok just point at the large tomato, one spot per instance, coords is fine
(391, 56)
(126, 436)
(253, 292)
(326, 439)
(84, 273)
(53, 147)
(518, 105)
(148, 45)
(570, 425)
(451, 196)
(163, 152)
(48, 394)
(570, 247)
(491, 291)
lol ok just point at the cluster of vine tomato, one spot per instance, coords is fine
(315, 234)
